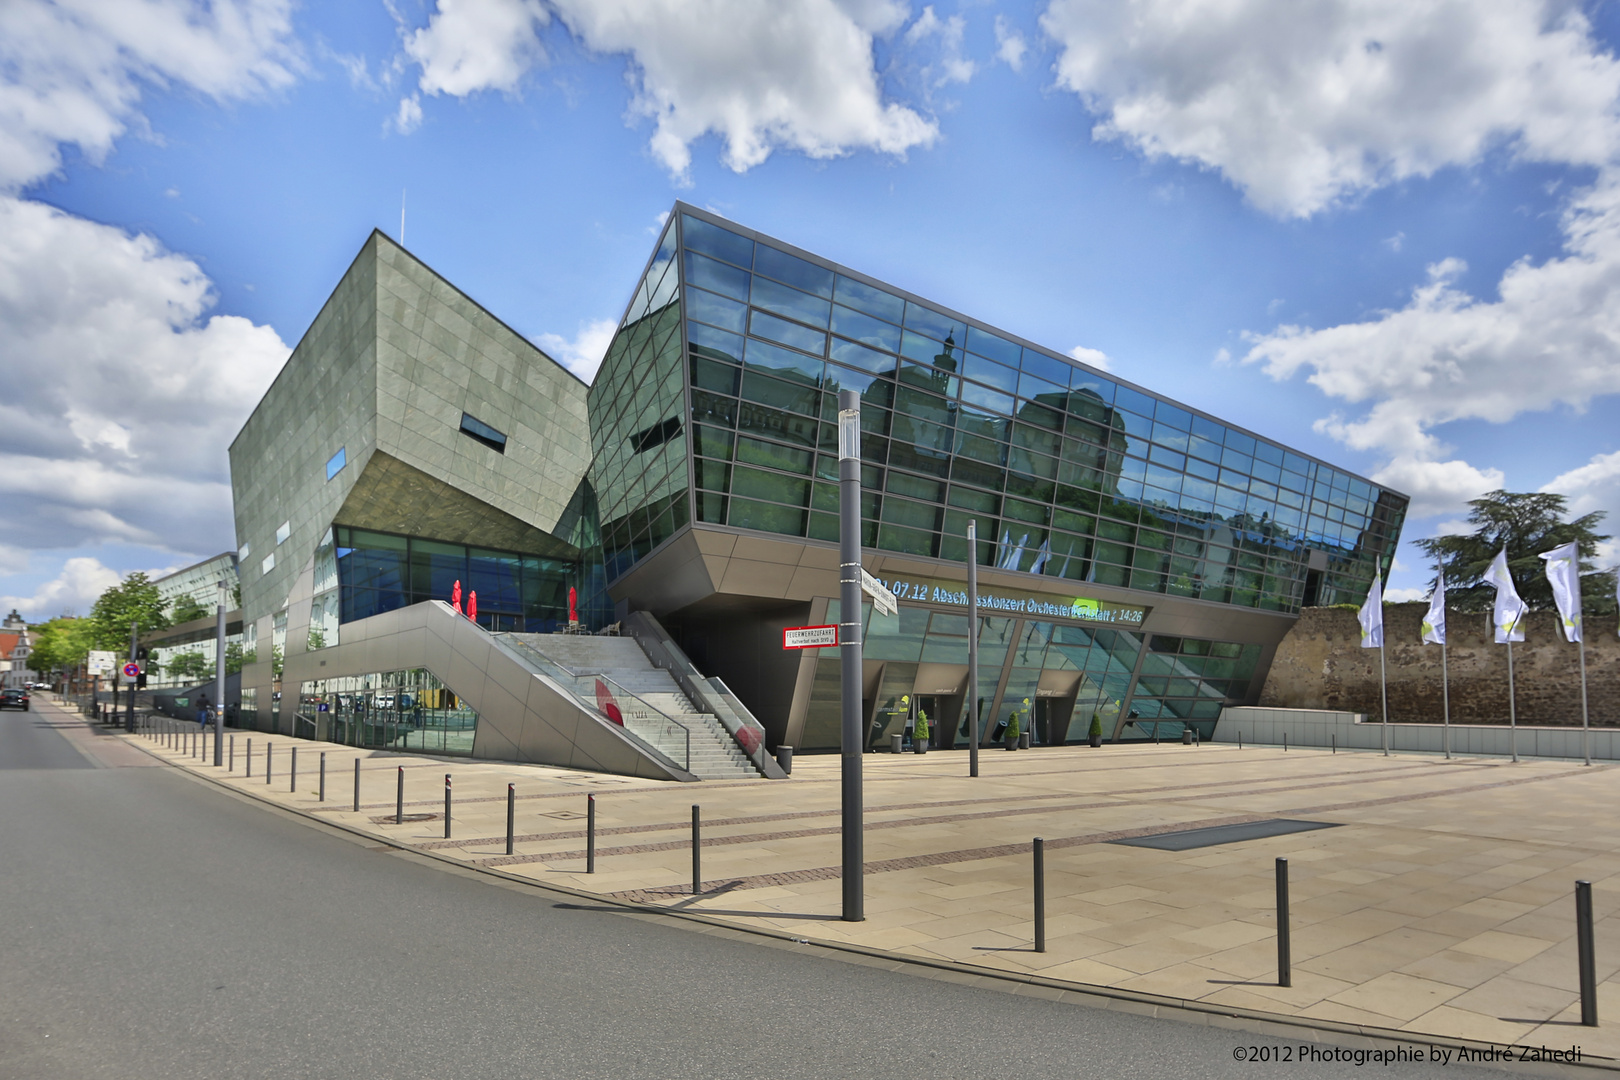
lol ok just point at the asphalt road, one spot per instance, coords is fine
(154, 926)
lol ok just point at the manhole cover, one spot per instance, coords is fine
(389, 819)
(565, 815)
(1187, 839)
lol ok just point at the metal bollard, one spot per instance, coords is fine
(1335, 738)
(1040, 895)
(250, 758)
(590, 834)
(323, 776)
(1285, 957)
(399, 799)
(269, 746)
(1285, 742)
(1586, 953)
(292, 777)
(511, 814)
(447, 806)
(1240, 738)
(697, 856)
(233, 754)
(357, 785)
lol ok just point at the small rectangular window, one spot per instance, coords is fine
(268, 564)
(335, 463)
(475, 428)
(242, 555)
(283, 532)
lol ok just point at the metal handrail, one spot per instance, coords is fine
(561, 672)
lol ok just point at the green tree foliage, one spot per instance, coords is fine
(1526, 524)
(134, 600)
(61, 645)
(186, 608)
(191, 664)
(235, 657)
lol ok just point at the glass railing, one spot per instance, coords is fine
(595, 691)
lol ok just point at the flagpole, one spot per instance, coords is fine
(1445, 698)
(1586, 727)
(1513, 716)
(1383, 686)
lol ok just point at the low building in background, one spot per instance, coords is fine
(184, 653)
(1139, 560)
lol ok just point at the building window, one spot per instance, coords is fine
(335, 463)
(475, 428)
(283, 532)
(268, 564)
(241, 556)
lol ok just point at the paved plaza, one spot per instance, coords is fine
(1441, 902)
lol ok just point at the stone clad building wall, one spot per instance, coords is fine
(1321, 665)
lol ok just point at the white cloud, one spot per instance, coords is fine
(409, 116)
(792, 74)
(1405, 596)
(1437, 487)
(473, 45)
(1305, 105)
(1095, 357)
(948, 32)
(72, 73)
(1010, 44)
(1594, 486)
(121, 392)
(73, 591)
(583, 355)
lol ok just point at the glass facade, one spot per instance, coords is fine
(1071, 474)
(378, 572)
(394, 710)
(638, 427)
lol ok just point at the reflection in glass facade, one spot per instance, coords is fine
(393, 710)
(378, 572)
(638, 426)
(1070, 473)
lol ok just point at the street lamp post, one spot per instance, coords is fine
(219, 678)
(849, 644)
(973, 647)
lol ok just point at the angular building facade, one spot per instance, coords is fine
(1139, 560)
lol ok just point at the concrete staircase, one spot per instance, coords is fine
(715, 755)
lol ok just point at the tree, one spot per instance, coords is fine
(191, 664)
(60, 645)
(135, 600)
(235, 657)
(1526, 524)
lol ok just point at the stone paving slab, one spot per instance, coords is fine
(1443, 904)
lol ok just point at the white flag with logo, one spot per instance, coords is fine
(1564, 572)
(1371, 617)
(1508, 616)
(1434, 623)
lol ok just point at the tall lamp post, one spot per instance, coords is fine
(973, 646)
(219, 678)
(849, 645)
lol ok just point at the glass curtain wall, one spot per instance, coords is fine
(394, 710)
(378, 572)
(1069, 473)
(638, 428)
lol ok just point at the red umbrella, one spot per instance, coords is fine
(455, 596)
(472, 606)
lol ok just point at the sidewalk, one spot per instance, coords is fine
(1441, 905)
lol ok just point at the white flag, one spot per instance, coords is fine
(1564, 571)
(1434, 623)
(1371, 617)
(1041, 557)
(1509, 613)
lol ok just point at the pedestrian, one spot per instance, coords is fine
(202, 710)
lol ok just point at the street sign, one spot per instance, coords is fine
(131, 670)
(809, 637)
(101, 662)
(882, 599)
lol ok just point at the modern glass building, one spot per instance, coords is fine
(1138, 560)
(1173, 548)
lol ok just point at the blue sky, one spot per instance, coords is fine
(1385, 233)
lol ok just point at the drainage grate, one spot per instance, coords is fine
(1188, 839)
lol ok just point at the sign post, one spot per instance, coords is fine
(849, 617)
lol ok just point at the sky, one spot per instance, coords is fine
(1384, 232)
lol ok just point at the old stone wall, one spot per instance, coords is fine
(1321, 665)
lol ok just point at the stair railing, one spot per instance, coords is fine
(637, 717)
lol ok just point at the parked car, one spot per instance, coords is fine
(14, 697)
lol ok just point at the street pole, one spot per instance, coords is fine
(134, 643)
(1513, 710)
(1445, 697)
(973, 647)
(1383, 686)
(219, 676)
(849, 631)
(1586, 725)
